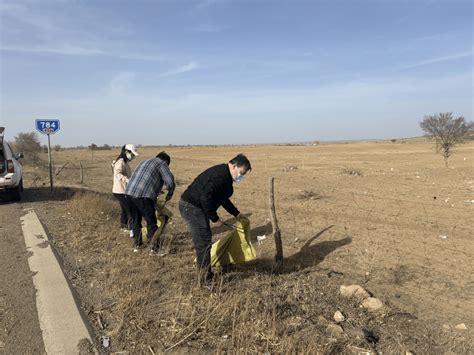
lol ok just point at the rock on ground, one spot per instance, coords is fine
(339, 317)
(372, 304)
(354, 291)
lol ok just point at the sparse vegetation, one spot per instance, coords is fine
(29, 145)
(94, 146)
(446, 131)
(289, 168)
(309, 195)
(352, 171)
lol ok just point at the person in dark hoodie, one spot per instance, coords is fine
(199, 203)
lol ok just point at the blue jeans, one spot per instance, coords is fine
(198, 225)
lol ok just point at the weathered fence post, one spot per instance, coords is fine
(276, 228)
(82, 173)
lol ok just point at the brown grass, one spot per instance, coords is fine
(369, 230)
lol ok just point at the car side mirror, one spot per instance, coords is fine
(19, 156)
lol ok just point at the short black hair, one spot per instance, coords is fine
(165, 157)
(241, 160)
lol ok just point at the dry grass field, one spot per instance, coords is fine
(388, 216)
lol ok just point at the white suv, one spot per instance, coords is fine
(11, 171)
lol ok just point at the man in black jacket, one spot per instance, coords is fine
(199, 204)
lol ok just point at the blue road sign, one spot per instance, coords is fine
(47, 126)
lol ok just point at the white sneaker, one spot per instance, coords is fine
(137, 249)
(157, 253)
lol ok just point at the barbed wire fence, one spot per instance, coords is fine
(429, 246)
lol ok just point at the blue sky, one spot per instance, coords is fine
(233, 71)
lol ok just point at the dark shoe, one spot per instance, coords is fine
(209, 277)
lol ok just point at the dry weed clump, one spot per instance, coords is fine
(90, 205)
(289, 168)
(353, 172)
(309, 195)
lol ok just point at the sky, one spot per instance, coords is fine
(158, 72)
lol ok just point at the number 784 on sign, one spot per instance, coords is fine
(47, 126)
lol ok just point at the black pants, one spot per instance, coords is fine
(198, 225)
(125, 214)
(144, 208)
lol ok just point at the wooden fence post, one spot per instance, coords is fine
(82, 173)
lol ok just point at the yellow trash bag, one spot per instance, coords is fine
(234, 248)
(163, 215)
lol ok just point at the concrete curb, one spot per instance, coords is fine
(60, 320)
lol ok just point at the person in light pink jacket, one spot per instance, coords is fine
(122, 173)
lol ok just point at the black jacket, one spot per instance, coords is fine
(210, 190)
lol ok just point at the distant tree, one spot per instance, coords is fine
(57, 148)
(446, 131)
(93, 146)
(106, 147)
(28, 144)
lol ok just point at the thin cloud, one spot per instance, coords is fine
(139, 56)
(63, 50)
(21, 14)
(181, 70)
(72, 50)
(120, 83)
(439, 60)
(413, 13)
(437, 37)
(31, 29)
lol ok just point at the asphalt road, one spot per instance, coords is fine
(19, 325)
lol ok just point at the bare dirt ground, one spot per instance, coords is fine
(387, 216)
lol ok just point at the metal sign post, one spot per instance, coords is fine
(50, 165)
(48, 127)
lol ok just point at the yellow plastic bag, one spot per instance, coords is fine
(234, 248)
(163, 215)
